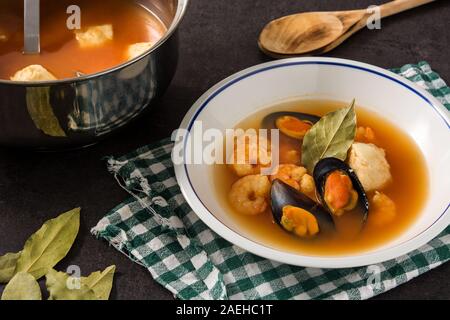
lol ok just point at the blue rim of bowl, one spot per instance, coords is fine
(289, 64)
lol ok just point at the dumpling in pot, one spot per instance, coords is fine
(137, 49)
(95, 36)
(33, 72)
(370, 165)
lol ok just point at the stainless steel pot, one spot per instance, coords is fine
(81, 111)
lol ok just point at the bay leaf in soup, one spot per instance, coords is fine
(332, 137)
(7, 266)
(100, 282)
(60, 287)
(23, 286)
(49, 245)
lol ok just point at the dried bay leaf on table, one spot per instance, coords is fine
(331, 137)
(100, 282)
(49, 245)
(7, 266)
(61, 287)
(23, 286)
(97, 286)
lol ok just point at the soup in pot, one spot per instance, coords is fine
(109, 34)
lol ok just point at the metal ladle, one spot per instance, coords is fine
(31, 26)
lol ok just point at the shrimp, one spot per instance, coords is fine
(383, 210)
(307, 185)
(290, 156)
(251, 154)
(293, 157)
(250, 194)
(296, 177)
(365, 134)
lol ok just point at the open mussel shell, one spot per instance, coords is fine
(329, 165)
(283, 195)
(272, 121)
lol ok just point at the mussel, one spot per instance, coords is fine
(292, 124)
(297, 213)
(339, 189)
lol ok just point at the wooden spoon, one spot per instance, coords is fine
(320, 32)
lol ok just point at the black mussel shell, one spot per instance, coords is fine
(329, 165)
(269, 122)
(283, 195)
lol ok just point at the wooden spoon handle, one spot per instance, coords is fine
(397, 6)
(387, 9)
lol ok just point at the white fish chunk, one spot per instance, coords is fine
(33, 72)
(137, 49)
(95, 36)
(370, 165)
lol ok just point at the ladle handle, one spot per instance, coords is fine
(31, 26)
(397, 6)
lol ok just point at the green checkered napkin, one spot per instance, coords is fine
(156, 228)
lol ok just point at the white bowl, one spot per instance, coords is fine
(407, 106)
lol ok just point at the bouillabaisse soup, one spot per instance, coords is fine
(112, 32)
(360, 188)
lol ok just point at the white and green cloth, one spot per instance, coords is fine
(156, 228)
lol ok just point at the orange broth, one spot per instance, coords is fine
(408, 189)
(60, 52)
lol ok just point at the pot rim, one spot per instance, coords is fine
(179, 15)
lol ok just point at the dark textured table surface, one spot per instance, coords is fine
(218, 38)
